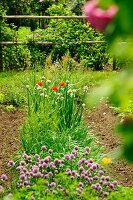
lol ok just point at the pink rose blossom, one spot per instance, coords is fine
(97, 17)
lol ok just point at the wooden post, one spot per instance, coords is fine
(114, 63)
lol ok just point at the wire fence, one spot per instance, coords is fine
(16, 42)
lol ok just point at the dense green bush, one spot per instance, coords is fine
(71, 36)
(16, 57)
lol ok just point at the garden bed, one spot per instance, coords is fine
(103, 121)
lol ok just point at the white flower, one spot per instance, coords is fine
(48, 81)
(43, 78)
(85, 88)
(27, 86)
(42, 94)
(104, 113)
(69, 91)
(67, 81)
(83, 104)
(38, 87)
(44, 89)
(74, 90)
(59, 94)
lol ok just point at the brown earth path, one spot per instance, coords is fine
(102, 121)
(9, 137)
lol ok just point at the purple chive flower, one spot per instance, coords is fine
(76, 147)
(46, 176)
(44, 165)
(32, 198)
(73, 172)
(61, 165)
(43, 148)
(86, 153)
(24, 170)
(3, 177)
(50, 151)
(56, 171)
(35, 169)
(79, 190)
(50, 173)
(90, 160)
(111, 185)
(99, 188)
(102, 178)
(81, 168)
(82, 176)
(52, 165)
(107, 178)
(115, 183)
(74, 153)
(72, 177)
(101, 172)
(87, 149)
(11, 163)
(52, 184)
(105, 183)
(29, 158)
(46, 183)
(25, 155)
(72, 156)
(110, 190)
(67, 157)
(93, 186)
(47, 191)
(59, 186)
(89, 165)
(22, 177)
(105, 194)
(69, 172)
(95, 178)
(37, 156)
(81, 184)
(94, 166)
(22, 163)
(101, 182)
(56, 161)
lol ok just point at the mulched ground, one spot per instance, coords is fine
(9, 137)
(103, 120)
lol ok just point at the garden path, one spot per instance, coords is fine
(9, 137)
(103, 120)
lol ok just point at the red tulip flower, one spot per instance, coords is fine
(97, 17)
(62, 84)
(55, 88)
(40, 84)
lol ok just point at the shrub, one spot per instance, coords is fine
(73, 34)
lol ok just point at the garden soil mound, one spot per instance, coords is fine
(9, 137)
(102, 121)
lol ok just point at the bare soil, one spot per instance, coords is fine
(103, 121)
(9, 137)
